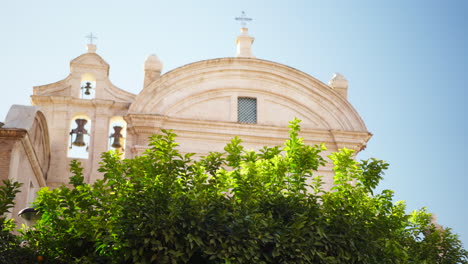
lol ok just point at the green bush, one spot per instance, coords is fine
(235, 207)
(11, 251)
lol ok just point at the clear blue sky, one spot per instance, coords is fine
(406, 62)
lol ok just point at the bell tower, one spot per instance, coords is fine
(85, 115)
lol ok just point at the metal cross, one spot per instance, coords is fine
(243, 19)
(91, 37)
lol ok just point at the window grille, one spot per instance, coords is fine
(247, 110)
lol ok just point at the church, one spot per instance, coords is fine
(206, 103)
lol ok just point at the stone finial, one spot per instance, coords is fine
(339, 83)
(152, 62)
(244, 44)
(91, 48)
(434, 222)
(153, 68)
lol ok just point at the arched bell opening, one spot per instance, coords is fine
(80, 131)
(88, 86)
(117, 134)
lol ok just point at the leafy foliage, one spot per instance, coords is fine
(10, 245)
(239, 206)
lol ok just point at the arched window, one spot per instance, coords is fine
(88, 86)
(80, 131)
(117, 133)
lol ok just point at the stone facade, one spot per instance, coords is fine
(25, 152)
(199, 101)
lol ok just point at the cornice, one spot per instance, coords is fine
(351, 139)
(235, 74)
(12, 133)
(145, 124)
(71, 101)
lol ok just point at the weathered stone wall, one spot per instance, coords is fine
(25, 152)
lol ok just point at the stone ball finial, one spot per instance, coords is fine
(153, 63)
(244, 31)
(338, 81)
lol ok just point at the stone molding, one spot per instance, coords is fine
(94, 65)
(350, 140)
(52, 88)
(34, 161)
(63, 87)
(22, 135)
(12, 133)
(71, 101)
(145, 125)
(244, 75)
(97, 62)
(32, 120)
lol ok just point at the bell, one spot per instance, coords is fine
(117, 136)
(87, 87)
(80, 131)
(79, 140)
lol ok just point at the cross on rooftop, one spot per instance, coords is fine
(91, 37)
(243, 19)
